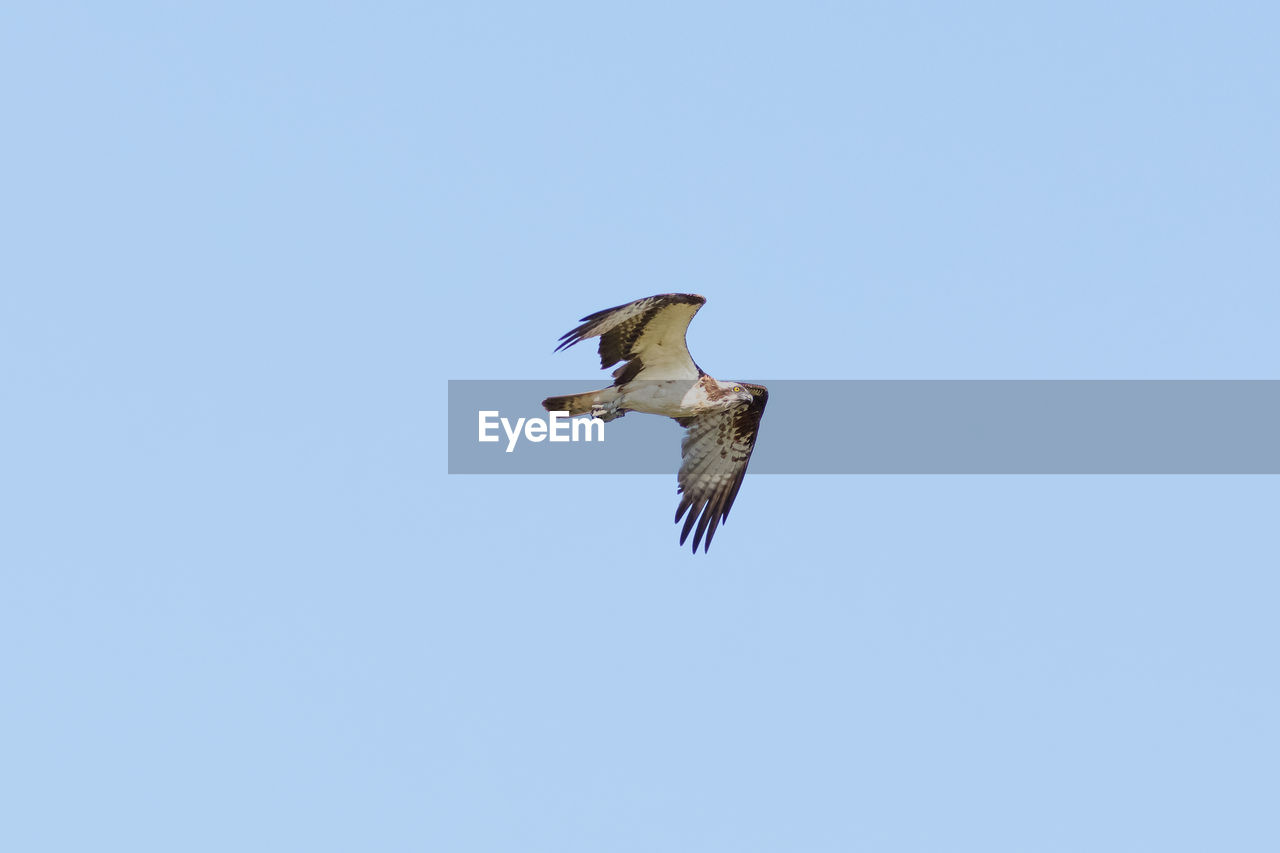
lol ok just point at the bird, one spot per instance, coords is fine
(658, 376)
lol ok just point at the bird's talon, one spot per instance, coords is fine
(606, 413)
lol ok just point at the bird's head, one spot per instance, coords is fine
(736, 393)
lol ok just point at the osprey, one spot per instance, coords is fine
(659, 377)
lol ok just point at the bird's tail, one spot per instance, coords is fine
(574, 404)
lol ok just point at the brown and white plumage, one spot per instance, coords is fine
(715, 452)
(648, 334)
(658, 376)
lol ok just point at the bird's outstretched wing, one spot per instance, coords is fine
(647, 334)
(715, 454)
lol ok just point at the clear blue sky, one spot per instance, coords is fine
(244, 608)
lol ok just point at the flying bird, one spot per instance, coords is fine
(659, 377)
